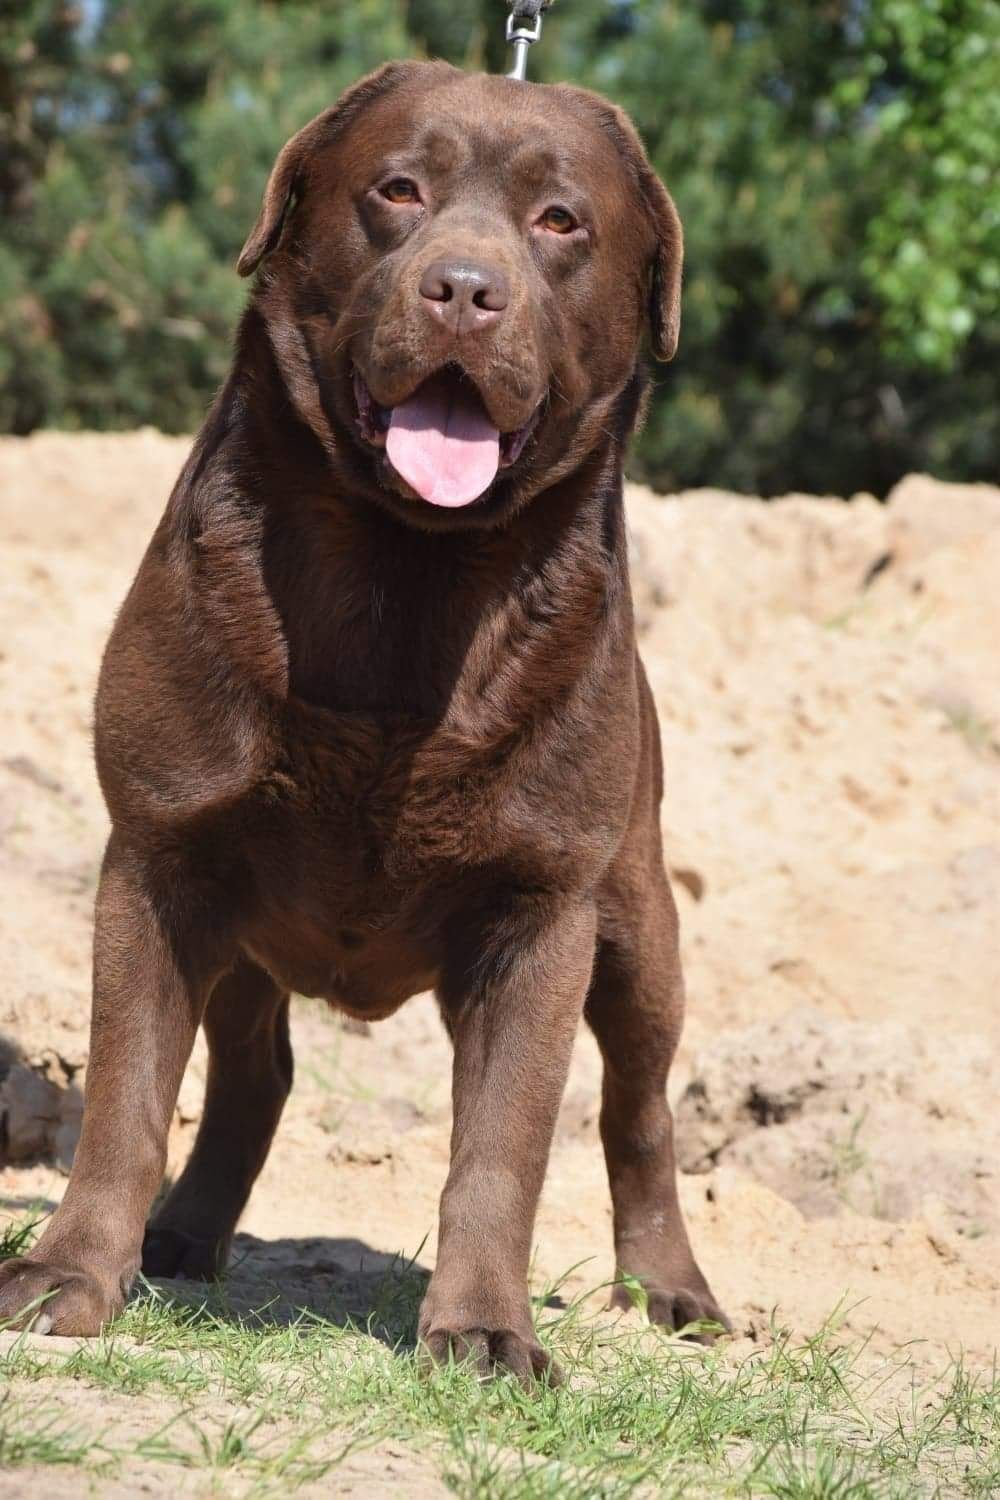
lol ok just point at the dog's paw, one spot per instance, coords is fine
(677, 1308)
(172, 1252)
(490, 1352)
(47, 1298)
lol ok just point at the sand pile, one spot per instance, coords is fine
(828, 680)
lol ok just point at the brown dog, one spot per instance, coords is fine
(372, 720)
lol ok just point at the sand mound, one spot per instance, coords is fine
(840, 1115)
(826, 674)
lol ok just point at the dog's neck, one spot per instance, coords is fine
(407, 617)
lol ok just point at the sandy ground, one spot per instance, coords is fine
(828, 682)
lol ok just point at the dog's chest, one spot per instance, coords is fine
(421, 771)
(367, 839)
(414, 752)
(390, 798)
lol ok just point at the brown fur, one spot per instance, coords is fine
(357, 746)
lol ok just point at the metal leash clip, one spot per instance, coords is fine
(524, 27)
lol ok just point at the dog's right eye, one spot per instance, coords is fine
(558, 220)
(400, 190)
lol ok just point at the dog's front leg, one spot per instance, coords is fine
(512, 1020)
(151, 977)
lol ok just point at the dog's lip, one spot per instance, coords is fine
(372, 420)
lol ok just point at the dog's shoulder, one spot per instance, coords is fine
(184, 720)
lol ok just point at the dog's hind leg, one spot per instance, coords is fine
(249, 1077)
(634, 1008)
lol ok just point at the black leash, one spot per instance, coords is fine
(524, 27)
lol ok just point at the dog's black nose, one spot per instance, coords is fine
(464, 295)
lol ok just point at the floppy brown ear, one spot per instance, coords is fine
(286, 176)
(281, 184)
(665, 276)
(666, 264)
(664, 288)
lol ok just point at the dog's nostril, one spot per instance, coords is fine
(491, 294)
(435, 285)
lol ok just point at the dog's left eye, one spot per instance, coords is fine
(558, 220)
(401, 190)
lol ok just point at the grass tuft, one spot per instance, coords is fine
(275, 1403)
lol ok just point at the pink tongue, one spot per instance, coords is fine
(443, 444)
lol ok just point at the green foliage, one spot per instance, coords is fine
(933, 250)
(834, 166)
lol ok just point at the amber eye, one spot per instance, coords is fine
(559, 220)
(401, 190)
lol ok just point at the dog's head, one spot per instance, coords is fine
(457, 273)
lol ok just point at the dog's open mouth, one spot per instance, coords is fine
(440, 440)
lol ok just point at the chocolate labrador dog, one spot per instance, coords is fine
(372, 721)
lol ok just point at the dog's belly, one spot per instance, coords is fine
(369, 982)
(345, 940)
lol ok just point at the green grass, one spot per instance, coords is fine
(272, 1405)
(45, 1439)
(18, 1236)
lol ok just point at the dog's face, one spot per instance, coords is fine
(459, 269)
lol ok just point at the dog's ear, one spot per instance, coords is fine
(285, 181)
(665, 274)
(663, 287)
(281, 184)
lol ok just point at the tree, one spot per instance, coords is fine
(833, 164)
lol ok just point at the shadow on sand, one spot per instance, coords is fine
(284, 1282)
